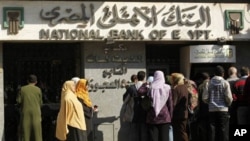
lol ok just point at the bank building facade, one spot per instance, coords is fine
(106, 42)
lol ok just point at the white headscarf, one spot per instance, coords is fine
(75, 79)
(150, 79)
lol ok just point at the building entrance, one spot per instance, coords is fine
(53, 63)
(162, 57)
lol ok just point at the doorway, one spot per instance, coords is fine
(53, 63)
(162, 57)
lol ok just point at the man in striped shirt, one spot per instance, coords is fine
(218, 95)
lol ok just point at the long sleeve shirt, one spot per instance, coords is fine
(217, 98)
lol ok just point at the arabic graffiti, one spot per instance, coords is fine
(174, 15)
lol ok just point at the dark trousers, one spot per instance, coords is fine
(88, 122)
(76, 134)
(202, 130)
(179, 128)
(219, 126)
(159, 132)
(138, 132)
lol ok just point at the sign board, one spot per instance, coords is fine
(133, 21)
(212, 54)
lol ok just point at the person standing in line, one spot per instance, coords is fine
(232, 74)
(240, 100)
(133, 80)
(180, 102)
(75, 79)
(192, 108)
(233, 77)
(138, 128)
(83, 96)
(202, 110)
(30, 100)
(159, 116)
(246, 94)
(219, 97)
(149, 81)
(70, 123)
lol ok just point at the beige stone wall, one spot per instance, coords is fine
(118, 63)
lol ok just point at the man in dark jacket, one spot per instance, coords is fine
(138, 131)
(240, 100)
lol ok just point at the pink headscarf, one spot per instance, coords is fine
(159, 91)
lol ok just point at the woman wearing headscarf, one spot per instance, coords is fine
(70, 124)
(180, 101)
(159, 116)
(83, 96)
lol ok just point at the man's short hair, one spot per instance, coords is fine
(244, 71)
(141, 75)
(232, 70)
(32, 78)
(205, 75)
(133, 78)
(219, 71)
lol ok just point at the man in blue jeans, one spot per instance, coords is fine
(218, 95)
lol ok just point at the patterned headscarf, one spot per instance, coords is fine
(82, 92)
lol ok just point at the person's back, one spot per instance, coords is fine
(30, 100)
(139, 113)
(70, 124)
(232, 72)
(246, 94)
(202, 113)
(233, 77)
(240, 100)
(239, 86)
(203, 107)
(217, 91)
(218, 96)
(138, 128)
(180, 103)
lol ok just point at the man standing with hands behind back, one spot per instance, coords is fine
(30, 100)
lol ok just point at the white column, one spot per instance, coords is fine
(1, 95)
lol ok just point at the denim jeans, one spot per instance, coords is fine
(219, 126)
(171, 134)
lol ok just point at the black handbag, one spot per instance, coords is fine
(146, 102)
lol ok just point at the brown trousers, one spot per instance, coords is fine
(180, 130)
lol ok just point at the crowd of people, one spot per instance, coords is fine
(162, 107)
(173, 114)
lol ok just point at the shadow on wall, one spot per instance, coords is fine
(124, 130)
(103, 122)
